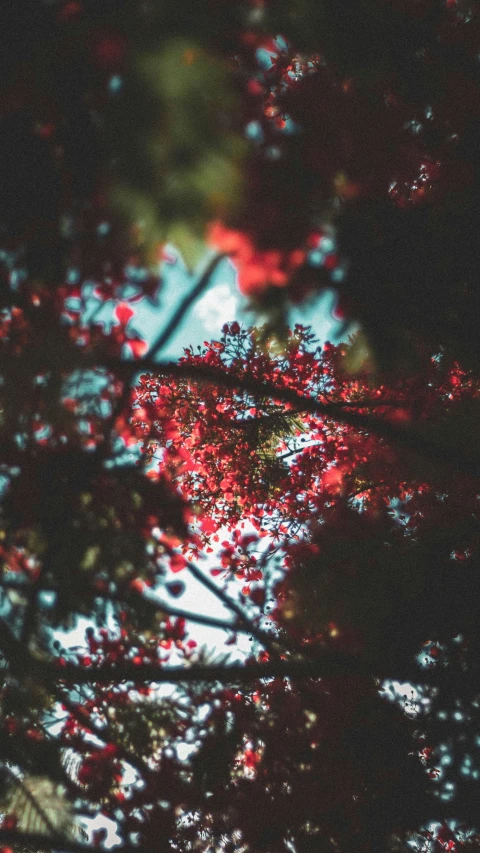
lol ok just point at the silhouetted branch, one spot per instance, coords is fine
(401, 436)
(185, 304)
(159, 344)
(155, 605)
(328, 664)
(266, 640)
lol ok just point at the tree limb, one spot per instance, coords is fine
(403, 437)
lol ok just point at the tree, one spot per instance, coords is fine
(370, 556)
(352, 468)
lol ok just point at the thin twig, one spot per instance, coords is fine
(155, 605)
(209, 621)
(185, 304)
(297, 450)
(265, 639)
(327, 664)
(157, 346)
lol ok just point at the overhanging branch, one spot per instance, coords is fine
(404, 437)
(327, 665)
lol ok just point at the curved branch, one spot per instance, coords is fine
(161, 606)
(328, 664)
(403, 437)
(242, 617)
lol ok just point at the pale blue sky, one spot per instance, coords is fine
(222, 302)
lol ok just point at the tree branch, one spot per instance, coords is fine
(161, 606)
(297, 450)
(159, 344)
(185, 304)
(403, 437)
(327, 665)
(156, 606)
(25, 662)
(104, 733)
(265, 639)
(367, 488)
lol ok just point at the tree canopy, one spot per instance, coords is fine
(325, 495)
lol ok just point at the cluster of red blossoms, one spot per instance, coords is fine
(256, 269)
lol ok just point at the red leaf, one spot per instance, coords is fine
(208, 525)
(177, 562)
(138, 348)
(123, 313)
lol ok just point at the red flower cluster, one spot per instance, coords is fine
(256, 269)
